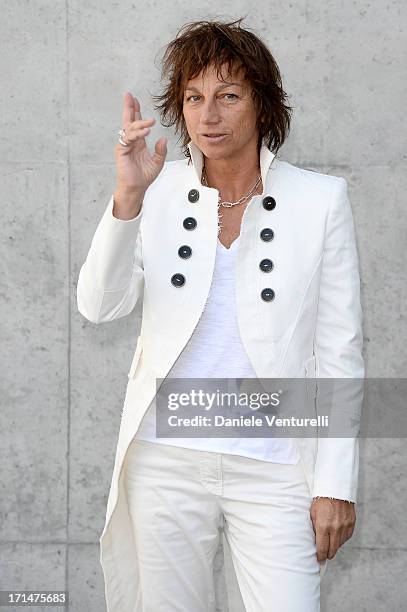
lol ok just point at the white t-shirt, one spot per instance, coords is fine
(215, 350)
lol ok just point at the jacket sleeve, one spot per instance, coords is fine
(338, 351)
(111, 280)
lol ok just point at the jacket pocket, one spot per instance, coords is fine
(136, 358)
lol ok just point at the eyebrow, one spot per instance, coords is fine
(192, 88)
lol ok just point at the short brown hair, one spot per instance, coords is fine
(202, 43)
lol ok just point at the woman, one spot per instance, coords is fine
(246, 267)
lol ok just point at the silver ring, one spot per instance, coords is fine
(120, 133)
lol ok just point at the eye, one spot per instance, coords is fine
(189, 97)
(231, 94)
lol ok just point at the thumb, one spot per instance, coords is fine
(160, 151)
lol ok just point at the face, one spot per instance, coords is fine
(211, 106)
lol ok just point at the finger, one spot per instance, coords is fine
(136, 131)
(312, 517)
(128, 108)
(348, 534)
(137, 111)
(140, 124)
(322, 543)
(160, 150)
(334, 544)
(131, 109)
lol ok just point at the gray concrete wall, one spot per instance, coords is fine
(64, 67)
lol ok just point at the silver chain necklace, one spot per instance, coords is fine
(225, 203)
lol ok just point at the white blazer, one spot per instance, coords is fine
(312, 326)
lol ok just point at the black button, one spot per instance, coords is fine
(193, 195)
(267, 234)
(269, 203)
(266, 265)
(267, 294)
(189, 223)
(178, 280)
(185, 251)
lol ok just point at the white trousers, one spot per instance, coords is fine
(179, 500)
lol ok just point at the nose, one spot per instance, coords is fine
(210, 112)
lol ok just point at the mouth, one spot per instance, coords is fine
(214, 137)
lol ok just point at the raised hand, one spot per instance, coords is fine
(136, 167)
